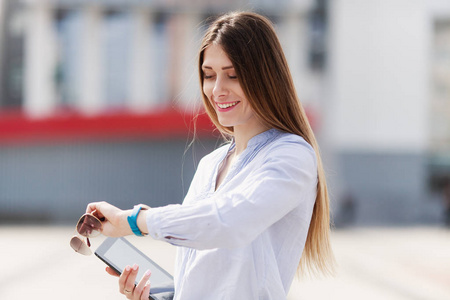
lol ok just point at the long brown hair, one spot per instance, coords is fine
(252, 46)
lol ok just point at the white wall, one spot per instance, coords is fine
(439, 9)
(379, 56)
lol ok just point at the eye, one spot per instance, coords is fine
(207, 76)
(232, 77)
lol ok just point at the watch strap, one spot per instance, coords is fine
(132, 220)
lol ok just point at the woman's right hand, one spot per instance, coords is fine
(114, 219)
(127, 285)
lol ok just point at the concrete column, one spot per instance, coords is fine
(190, 93)
(141, 78)
(184, 70)
(293, 34)
(92, 92)
(40, 60)
(2, 47)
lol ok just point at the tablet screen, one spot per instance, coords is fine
(121, 254)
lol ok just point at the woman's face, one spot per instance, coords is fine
(223, 90)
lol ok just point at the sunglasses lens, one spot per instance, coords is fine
(89, 226)
(80, 246)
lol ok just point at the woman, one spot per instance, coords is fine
(257, 210)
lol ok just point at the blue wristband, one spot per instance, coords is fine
(132, 220)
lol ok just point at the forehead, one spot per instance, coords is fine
(214, 56)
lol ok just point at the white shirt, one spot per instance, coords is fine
(244, 240)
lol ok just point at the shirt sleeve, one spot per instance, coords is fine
(286, 178)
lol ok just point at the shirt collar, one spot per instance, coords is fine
(262, 137)
(257, 139)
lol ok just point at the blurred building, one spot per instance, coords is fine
(97, 98)
(93, 56)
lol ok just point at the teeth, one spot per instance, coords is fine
(226, 105)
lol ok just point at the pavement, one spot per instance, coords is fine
(411, 263)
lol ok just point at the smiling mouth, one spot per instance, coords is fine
(227, 105)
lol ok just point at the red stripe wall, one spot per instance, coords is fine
(17, 128)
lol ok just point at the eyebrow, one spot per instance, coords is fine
(224, 68)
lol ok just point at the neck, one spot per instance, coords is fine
(243, 135)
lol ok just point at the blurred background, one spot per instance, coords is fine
(99, 100)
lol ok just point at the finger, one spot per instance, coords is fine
(123, 278)
(100, 209)
(112, 272)
(114, 221)
(131, 279)
(146, 291)
(141, 285)
(92, 206)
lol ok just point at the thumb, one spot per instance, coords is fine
(112, 272)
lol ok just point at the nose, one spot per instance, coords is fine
(220, 89)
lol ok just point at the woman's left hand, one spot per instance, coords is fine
(127, 285)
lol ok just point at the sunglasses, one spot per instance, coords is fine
(88, 226)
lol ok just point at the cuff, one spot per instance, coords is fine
(154, 223)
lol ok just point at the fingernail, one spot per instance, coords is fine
(127, 268)
(135, 267)
(147, 283)
(148, 273)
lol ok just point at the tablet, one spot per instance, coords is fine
(118, 253)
